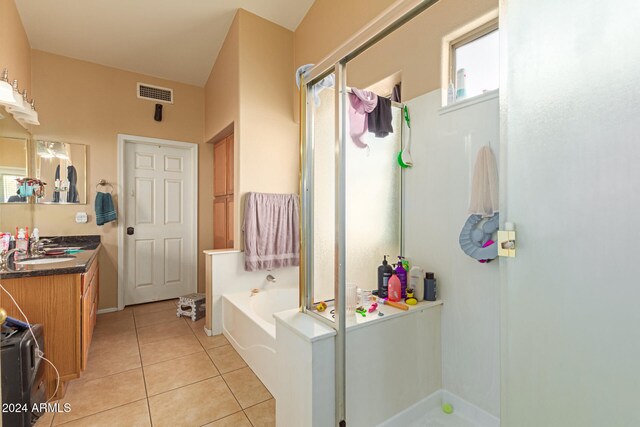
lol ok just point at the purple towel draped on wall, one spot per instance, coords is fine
(271, 231)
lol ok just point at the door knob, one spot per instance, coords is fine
(130, 231)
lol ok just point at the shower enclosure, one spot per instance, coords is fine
(352, 197)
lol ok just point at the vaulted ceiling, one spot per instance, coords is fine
(175, 40)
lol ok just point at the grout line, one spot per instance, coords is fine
(248, 419)
(96, 413)
(175, 358)
(144, 378)
(259, 403)
(232, 394)
(226, 416)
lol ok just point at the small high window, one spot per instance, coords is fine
(475, 63)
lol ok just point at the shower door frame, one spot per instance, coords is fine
(399, 13)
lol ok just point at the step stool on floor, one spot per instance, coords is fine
(192, 305)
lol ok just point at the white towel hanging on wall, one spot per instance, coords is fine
(484, 187)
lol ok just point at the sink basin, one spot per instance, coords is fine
(48, 260)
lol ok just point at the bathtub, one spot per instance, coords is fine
(248, 324)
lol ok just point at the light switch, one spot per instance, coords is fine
(81, 217)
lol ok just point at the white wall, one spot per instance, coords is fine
(437, 188)
(571, 117)
(391, 365)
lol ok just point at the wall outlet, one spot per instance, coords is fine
(81, 217)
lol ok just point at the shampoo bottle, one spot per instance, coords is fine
(384, 274)
(430, 289)
(402, 276)
(416, 283)
(395, 288)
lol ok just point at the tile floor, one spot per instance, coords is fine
(149, 368)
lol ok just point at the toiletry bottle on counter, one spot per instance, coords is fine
(402, 276)
(415, 282)
(384, 274)
(395, 287)
(22, 240)
(430, 289)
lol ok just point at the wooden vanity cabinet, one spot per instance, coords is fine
(66, 305)
(89, 309)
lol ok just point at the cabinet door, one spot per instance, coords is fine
(230, 206)
(220, 223)
(220, 168)
(230, 176)
(87, 305)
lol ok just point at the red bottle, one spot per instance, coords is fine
(395, 288)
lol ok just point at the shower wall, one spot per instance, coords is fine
(437, 198)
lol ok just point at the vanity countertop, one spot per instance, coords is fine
(79, 264)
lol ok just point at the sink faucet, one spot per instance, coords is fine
(4, 258)
(36, 247)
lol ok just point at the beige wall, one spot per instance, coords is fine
(269, 143)
(222, 90)
(86, 103)
(222, 105)
(15, 51)
(328, 23)
(13, 153)
(249, 88)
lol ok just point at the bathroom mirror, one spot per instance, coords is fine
(62, 166)
(14, 162)
(14, 157)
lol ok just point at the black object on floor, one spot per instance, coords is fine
(23, 382)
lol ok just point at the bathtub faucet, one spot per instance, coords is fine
(271, 279)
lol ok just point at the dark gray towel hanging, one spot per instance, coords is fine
(72, 192)
(379, 120)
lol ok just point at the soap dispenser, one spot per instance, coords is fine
(384, 274)
(401, 272)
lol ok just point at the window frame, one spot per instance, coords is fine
(471, 36)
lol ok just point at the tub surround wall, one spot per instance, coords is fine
(392, 364)
(227, 276)
(437, 196)
(306, 369)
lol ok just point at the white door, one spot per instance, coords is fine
(571, 325)
(160, 259)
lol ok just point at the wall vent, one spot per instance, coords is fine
(155, 93)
